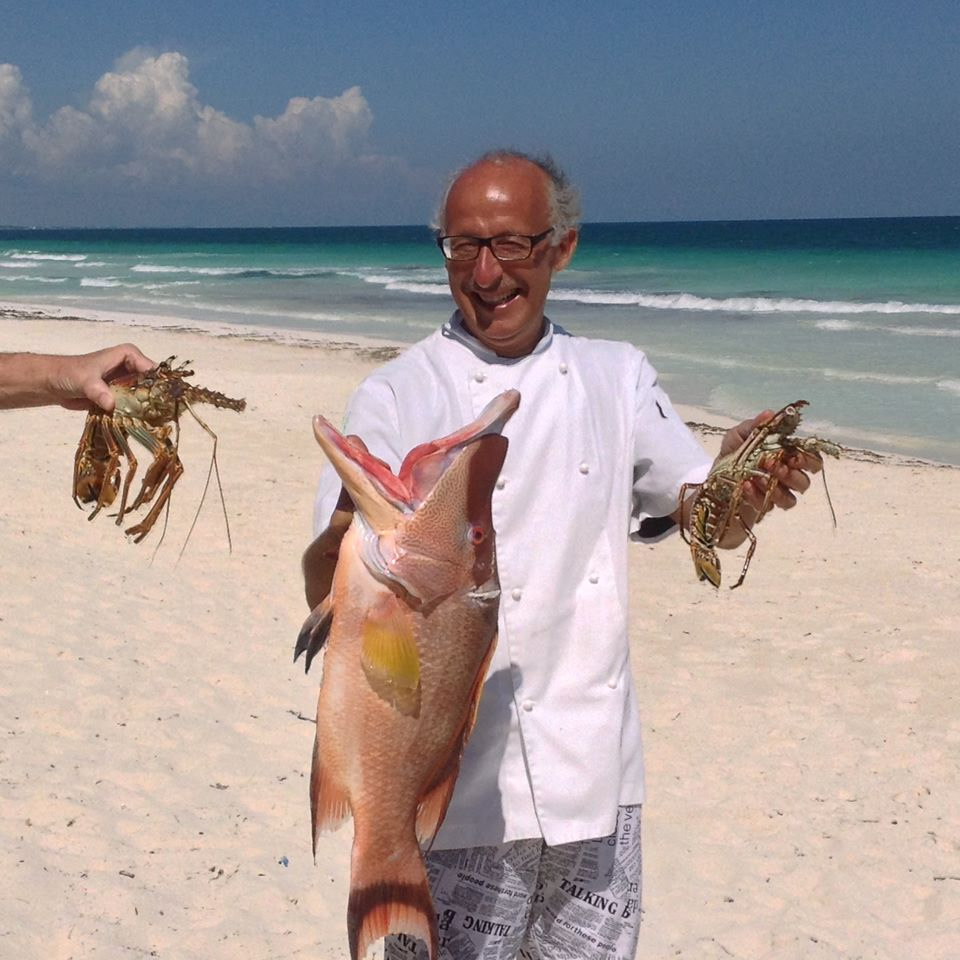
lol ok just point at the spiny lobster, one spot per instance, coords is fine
(148, 407)
(720, 498)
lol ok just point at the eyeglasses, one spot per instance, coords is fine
(508, 247)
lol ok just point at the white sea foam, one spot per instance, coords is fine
(846, 326)
(689, 301)
(102, 282)
(25, 276)
(36, 255)
(868, 376)
(431, 289)
(19, 264)
(950, 386)
(204, 271)
(399, 283)
(842, 325)
(925, 331)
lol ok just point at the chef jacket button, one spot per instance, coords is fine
(593, 578)
(501, 483)
(612, 684)
(479, 376)
(528, 705)
(563, 368)
(516, 593)
(584, 467)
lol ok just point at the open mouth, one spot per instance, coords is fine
(493, 303)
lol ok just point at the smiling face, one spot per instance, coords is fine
(502, 303)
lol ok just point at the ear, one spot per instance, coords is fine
(563, 252)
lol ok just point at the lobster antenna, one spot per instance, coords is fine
(213, 468)
(826, 490)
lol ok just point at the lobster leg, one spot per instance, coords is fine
(167, 469)
(680, 501)
(85, 486)
(108, 481)
(118, 435)
(746, 561)
(161, 450)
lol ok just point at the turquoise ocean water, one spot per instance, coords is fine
(860, 317)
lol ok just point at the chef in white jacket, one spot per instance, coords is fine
(539, 855)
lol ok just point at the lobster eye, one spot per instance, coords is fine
(477, 535)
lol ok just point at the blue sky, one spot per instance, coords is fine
(255, 113)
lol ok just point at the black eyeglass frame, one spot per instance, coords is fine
(482, 242)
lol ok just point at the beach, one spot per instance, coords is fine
(802, 732)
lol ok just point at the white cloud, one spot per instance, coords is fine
(145, 123)
(15, 111)
(322, 129)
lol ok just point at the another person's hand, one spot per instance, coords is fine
(81, 379)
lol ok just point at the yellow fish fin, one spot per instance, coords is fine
(390, 660)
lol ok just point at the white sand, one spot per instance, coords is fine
(803, 732)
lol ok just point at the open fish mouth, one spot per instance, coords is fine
(377, 492)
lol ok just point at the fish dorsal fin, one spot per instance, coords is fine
(314, 632)
(433, 806)
(389, 656)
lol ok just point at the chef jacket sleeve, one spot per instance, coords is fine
(666, 456)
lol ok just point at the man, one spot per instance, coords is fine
(539, 854)
(36, 379)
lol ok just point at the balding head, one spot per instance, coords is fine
(562, 197)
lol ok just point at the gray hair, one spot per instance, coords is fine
(563, 197)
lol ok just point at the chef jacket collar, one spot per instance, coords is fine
(455, 330)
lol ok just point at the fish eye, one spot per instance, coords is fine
(477, 535)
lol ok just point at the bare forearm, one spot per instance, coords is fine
(30, 380)
(320, 558)
(34, 379)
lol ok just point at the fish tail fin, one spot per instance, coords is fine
(390, 895)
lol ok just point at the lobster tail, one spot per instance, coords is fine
(706, 563)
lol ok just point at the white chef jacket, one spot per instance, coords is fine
(594, 448)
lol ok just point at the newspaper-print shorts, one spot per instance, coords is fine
(530, 901)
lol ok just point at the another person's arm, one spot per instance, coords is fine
(35, 379)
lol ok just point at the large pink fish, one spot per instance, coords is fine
(409, 627)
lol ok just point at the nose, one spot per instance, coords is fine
(486, 269)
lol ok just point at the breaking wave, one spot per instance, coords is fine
(689, 301)
(36, 255)
(11, 278)
(245, 273)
